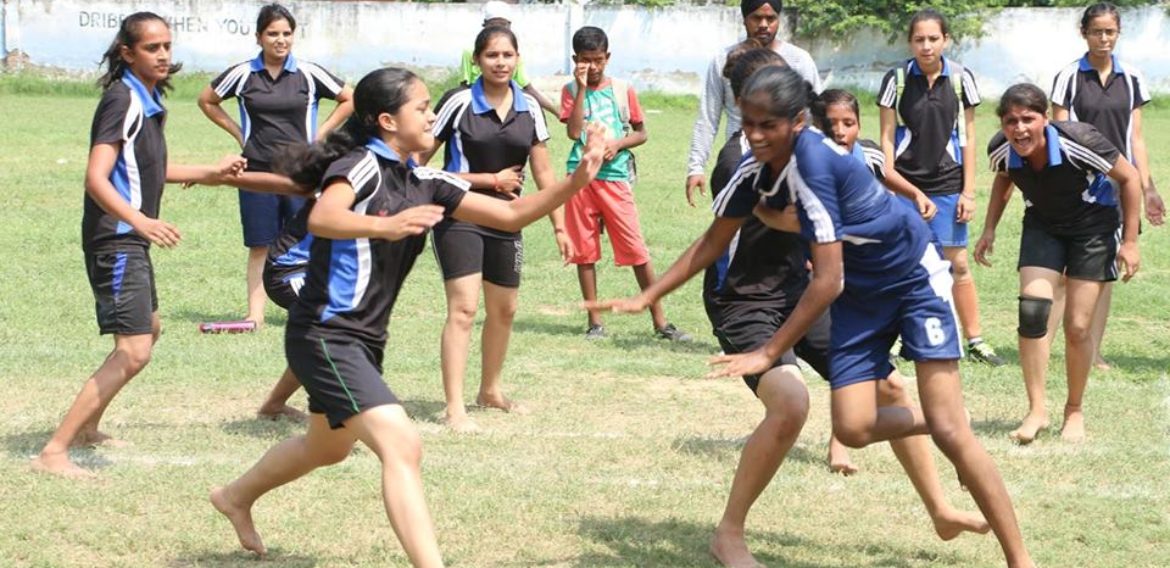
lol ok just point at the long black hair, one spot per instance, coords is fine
(381, 91)
(780, 91)
(490, 32)
(129, 34)
(1023, 95)
(272, 13)
(1097, 10)
(820, 107)
(744, 59)
(928, 15)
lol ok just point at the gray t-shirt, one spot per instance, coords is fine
(717, 99)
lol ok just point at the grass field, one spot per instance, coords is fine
(627, 456)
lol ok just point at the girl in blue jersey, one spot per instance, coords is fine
(124, 181)
(874, 261)
(369, 223)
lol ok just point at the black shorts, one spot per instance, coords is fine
(124, 295)
(283, 283)
(342, 376)
(743, 330)
(462, 252)
(1085, 257)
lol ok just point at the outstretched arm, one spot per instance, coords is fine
(514, 215)
(701, 254)
(1001, 193)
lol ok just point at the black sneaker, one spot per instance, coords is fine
(671, 333)
(595, 332)
(983, 353)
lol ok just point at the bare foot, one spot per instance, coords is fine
(59, 464)
(1028, 430)
(460, 423)
(952, 523)
(1074, 424)
(284, 411)
(95, 438)
(1101, 364)
(839, 461)
(730, 550)
(241, 519)
(501, 403)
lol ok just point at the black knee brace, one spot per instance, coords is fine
(1034, 317)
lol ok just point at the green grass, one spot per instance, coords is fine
(627, 457)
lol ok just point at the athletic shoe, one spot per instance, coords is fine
(983, 353)
(595, 332)
(671, 333)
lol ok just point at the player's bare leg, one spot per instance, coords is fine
(284, 462)
(785, 398)
(276, 405)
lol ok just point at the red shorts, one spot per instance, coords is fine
(611, 202)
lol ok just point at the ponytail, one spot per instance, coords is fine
(382, 91)
(129, 34)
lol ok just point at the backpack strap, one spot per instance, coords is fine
(899, 86)
(960, 118)
(621, 92)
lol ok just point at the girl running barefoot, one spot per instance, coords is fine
(1098, 89)
(369, 224)
(491, 129)
(1070, 234)
(124, 180)
(874, 261)
(927, 112)
(775, 261)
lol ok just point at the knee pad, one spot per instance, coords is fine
(1034, 317)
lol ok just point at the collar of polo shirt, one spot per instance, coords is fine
(480, 104)
(379, 147)
(290, 63)
(1086, 66)
(1054, 148)
(916, 70)
(151, 104)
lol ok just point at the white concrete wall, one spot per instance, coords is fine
(666, 48)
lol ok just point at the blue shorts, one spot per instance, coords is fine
(263, 215)
(921, 312)
(950, 233)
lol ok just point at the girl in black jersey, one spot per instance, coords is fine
(369, 224)
(490, 130)
(1102, 90)
(1070, 232)
(278, 96)
(124, 181)
(927, 112)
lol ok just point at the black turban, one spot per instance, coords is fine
(748, 6)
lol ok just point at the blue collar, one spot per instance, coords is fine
(916, 70)
(379, 147)
(480, 104)
(151, 104)
(1086, 66)
(1055, 157)
(290, 63)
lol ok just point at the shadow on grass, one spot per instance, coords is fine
(650, 341)
(243, 559)
(27, 445)
(263, 428)
(430, 411)
(182, 316)
(527, 325)
(1149, 368)
(997, 428)
(725, 449)
(634, 541)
